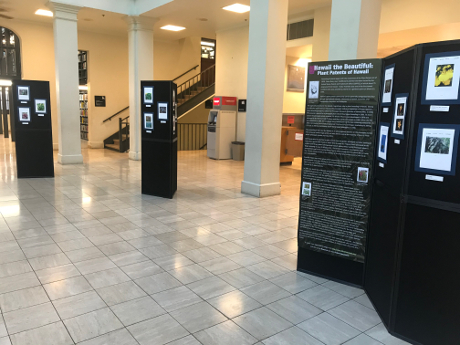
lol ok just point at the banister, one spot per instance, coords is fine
(110, 118)
(195, 76)
(191, 69)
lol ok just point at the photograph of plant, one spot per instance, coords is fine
(400, 109)
(437, 145)
(148, 96)
(388, 86)
(444, 75)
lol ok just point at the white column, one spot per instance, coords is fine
(354, 29)
(66, 61)
(266, 68)
(140, 32)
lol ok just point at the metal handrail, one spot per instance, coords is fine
(204, 79)
(110, 118)
(191, 69)
(191, 136)
(202, 72)
(120, 132)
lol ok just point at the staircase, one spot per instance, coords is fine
(119, 141)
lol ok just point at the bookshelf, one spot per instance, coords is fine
(84, 114)
(83, 67)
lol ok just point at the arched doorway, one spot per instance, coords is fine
(10, 69)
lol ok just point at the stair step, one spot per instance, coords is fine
(113, 147)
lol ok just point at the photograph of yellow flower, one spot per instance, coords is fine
(444, 75)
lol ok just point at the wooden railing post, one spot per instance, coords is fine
(120, 133)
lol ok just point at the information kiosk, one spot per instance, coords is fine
(159, 138)
(222, 127)
(32, 124)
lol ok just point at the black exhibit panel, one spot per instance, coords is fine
(159, 138)
(413, 262)
(339, 139)
(32, 118)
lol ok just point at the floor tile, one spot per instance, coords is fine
(160, 330)
(171, 262)
(176, 298)
(262, 323)
(128, 258)
(14, 268)
(92, 324)
(356, 315)
(246, 258)
(188, 340)
(265, 292)
(23, 299)
(94, 265)
(49, 275)
(294, 309)
(292, 336)
(106, 278)
(345, 290)
(322, 297)
(190, 274)
(158, 251)
(293, 282)
(142, 269)
(226, 333)
(67, 287)
(362, 339)
(5, 341)
(137, 310)
(381, 334)
(15, 255)
(119, 337)
(84, 254)
(201, 254)
(34, 252)
(28, 318)
(268, 269)
(79, 243)
(157, 283)
(198, 317)
(328, 329)
(210, 287)
(78, 305)
(234, 303)
(220, 265)
(120, 293)
(241, 278)
(116, 248)
(53, 334)
(16, 282)
(365, 301)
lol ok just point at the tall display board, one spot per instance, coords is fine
(32, 123)
(413, 262)
(159, 138)
(339, 136)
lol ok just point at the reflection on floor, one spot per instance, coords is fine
(86, 259)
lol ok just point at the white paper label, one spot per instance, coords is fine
(163, 121)
(443, 108)
(385, 110)
(25, 123)
(435, 178)
(41, 115)
(23, 102)
(397, 141)
(299, 136)
(149, 131)
(381, 165)
(148, 106)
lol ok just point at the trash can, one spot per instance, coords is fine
(238, 150)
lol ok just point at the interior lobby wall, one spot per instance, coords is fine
(294, 102)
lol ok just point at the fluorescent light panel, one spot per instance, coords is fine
(238, 8)
(4, 82)
(82, 87)
(210, 44)
(173, 28)
(45, 13)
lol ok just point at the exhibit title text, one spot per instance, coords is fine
(362, 68)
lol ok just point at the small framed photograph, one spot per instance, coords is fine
(148, 95)
(399, 116)
(388, 84)
(313, 90)
(296, 79)
(24, 114)
(363, 175)
(306, 189)
(40, 106)
(162, 111)
(383, 142)
(23, 93)
(148, 120)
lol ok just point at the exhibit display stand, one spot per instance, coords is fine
(32, 123)
(338, 152)
(413, 261)
(159, 138)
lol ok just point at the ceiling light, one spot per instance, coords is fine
(6, 83)
(83, 87)
(172, 28)
(238, 8)
(210, 44)
(45, 13)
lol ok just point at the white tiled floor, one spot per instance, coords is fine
(86, 259)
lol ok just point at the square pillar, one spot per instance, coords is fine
(66, 61)
(140, 37)
(266, 68)
(355, 26)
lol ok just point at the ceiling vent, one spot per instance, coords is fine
(300, 30)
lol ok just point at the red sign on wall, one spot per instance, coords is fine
(290, 119)
(216, 101)
(229, 101)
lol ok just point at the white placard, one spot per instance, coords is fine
(397, 141)
(23, 93)
(388, 85)
(399, 117)
(306, 189)
(437, 149)
(434, 178)
(440, 108)
(443, 78)
(385, 110)
(162, 111)
(299, 136)
(381, 165)
(41, 115)
(24, 114)
(383, 142)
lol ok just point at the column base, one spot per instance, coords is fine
(260, 190)
(135, 156)
(70, 159)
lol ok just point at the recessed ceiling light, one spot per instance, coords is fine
(210, 44)
(238, 8)
(45, 13)
(173, 28)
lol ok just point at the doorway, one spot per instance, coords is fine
(6, 122)
(208, 61)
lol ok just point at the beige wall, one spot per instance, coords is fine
(198, 115)
(294, 102)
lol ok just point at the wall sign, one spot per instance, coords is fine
(290, 119)
(242, 105)
(99, 101)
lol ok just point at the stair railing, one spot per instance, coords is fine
(204, 79)
(191, 69)
(111, 117)
(125, 121)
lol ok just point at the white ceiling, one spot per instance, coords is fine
(185, 13)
